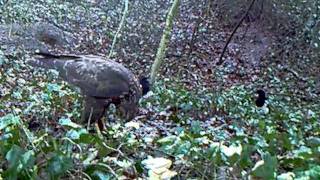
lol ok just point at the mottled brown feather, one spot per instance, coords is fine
(101, 81)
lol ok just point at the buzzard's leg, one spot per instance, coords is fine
(93, 111)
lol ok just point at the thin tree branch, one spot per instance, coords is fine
(233, 32)
(123, 18)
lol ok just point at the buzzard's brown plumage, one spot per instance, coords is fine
(102, 82)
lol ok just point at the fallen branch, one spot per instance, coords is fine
(295, 74)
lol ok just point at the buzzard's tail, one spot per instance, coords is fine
(50, 61)
(56, 56)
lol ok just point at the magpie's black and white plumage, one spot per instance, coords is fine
(261, 98)
(101, 81)
(145, 83)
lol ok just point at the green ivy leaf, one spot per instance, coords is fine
(265, 168)
(286, 176)
(13, 157)
(75, 134)
(17, 95)
(19, 161)
(28, 159)
(53, 87)
(313, 141)
(67, 122)
(8, 120)
(58, 165)
(196, 127)
(312, 173)
(100, 175)
(3, 59)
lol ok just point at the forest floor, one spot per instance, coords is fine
(195, 69)
(189, 88)
(244, 64)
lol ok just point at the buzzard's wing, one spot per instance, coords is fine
(97, 77)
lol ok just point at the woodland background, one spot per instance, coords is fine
(199, 121)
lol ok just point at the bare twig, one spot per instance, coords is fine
(124, 15)
(194, 34)
(233, 32)
(86, 175)
(89, 120)
(295, 74)
(109, 168)
(120, 153)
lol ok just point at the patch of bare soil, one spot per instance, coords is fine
(39, 36)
